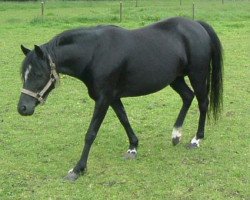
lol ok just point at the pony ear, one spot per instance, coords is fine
(39, 51)
(25, 50)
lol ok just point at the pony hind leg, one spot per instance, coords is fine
(199, 85)
(122, 116)
(187, 95)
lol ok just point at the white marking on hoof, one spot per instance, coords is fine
(177, 132)
(70, 171)
(131, 154)
(132, 151)
(27, 73)
(195, 142)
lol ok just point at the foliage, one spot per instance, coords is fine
(36, 152)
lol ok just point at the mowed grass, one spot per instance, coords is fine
(36, 152)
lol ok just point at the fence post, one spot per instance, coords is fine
(180, 2)
(136, 3)
(193, 10)
(42, 8)
(120, 11)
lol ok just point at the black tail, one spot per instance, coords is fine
(215, 81)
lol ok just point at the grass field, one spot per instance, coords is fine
(36, 152)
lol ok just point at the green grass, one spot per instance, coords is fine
(36, 152)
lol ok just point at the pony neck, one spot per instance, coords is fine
(72, 61)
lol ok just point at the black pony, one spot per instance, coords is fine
(114, 62)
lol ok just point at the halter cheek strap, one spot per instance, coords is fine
(54, 80)
(53, 72)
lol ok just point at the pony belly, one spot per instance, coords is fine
(141, 88)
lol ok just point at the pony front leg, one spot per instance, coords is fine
(101, 107)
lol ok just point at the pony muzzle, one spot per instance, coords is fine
(26, 108)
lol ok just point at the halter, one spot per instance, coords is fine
(54, 80)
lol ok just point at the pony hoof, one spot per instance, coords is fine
(195, 143)
(131, 154)
(72, 176)
(192, 146)
(176, 140)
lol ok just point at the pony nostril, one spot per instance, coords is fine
(23, 108)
